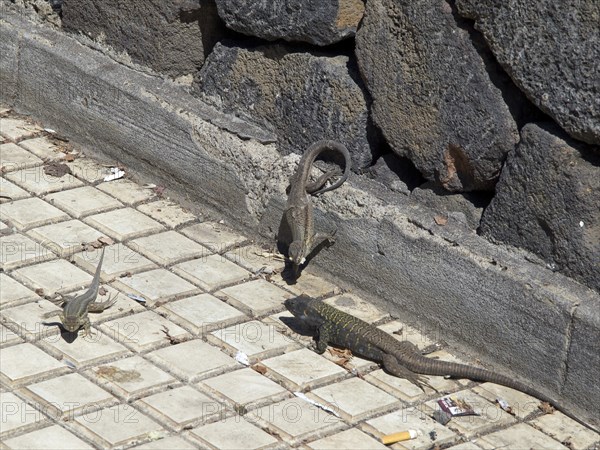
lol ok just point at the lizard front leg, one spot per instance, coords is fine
(391, 365)
(322, 339)
(87, 326)
(98, 307)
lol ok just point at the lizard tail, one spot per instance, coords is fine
(427, 366)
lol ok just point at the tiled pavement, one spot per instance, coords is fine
(163, 373)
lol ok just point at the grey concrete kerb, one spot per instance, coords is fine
(489, 300)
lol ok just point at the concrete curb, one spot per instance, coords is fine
(490, 300)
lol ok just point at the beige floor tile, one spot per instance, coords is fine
(231, 432)
(303, 369)
(17, 129)
(132, 377)
(117, 426)
(202, 313)
(54, 276)
(143, 331)
(83, 201)
(27, 319)
(66, 238)
(181, 406)
(37, 181)
(255, 298)
(11, 190)
(13, 157)
(167, 212)
(168, 248)
(521, 405)
(167, 443)
(52, 437)
(127, 191)
(565, 429)
(88, 169)
(212, 272)
(23, 363)
(69, 395)
(356, 306)
(8, 337)
(308, 284)
(119, 260)
(157, 285)
(246, 388)
(30, 213)
(254, 258)
(17, 415)
(520, 436)
(217, 237)
(351, 438)
(13, 292)
(398, 387)
(123, 224)
(43, 148)
(17, 250)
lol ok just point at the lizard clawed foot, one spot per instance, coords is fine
(392, 366)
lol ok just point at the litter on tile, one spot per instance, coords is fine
(450, 407)
(504, 405)
(407, 435)
(137, 298)
(242, 358)
(115, 174)
(317, 404)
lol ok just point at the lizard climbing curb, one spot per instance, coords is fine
(399, 358)
(299, 212)
(75, 310)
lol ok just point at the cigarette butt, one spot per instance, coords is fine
(399, 437)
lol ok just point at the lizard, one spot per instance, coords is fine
(75, 310)
(400, 358)
(299, 211)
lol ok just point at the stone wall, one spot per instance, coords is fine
(486, 113)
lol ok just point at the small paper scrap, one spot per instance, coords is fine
(317, 404)
(137, 298)
(242, 358)
(115, 174)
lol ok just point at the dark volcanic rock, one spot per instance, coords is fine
(172, 37)
(437, 93)
(302, 97)
(551, 49)
(548, 201)
(315, 21)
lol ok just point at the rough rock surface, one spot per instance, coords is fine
(435, 92)
(547, 200)
(314, 21)
(551, 49)
(172, 37)
(302, 97)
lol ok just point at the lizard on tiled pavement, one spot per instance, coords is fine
(75, 310)
(299, 212)
(399, 358)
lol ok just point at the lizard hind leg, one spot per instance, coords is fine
(391, 365)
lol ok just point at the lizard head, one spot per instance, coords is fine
(70, 324)
(298, 306)
(296, 253)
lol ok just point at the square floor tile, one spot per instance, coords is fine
(131, 377)
(255, 298)
(119, 261)
(51, 437)
(53, 276)
(87, 169)
(17, 250)
(565, 429)
(308, 284)
(70, 395)
(168, 247)
(13, 157)
(519, 436)
(303, 369)
(521, 404)
(85, 350)
(66, 238)
(167, 443)
(155, 285)
(83, 201)
(117, 426)
(11, 190)
(13, 292)
(30, 213)
(168, 213)
(253, 258)
(43, 148)
(246, 388)
(217, 237)
(352, 438)
(398, 387)
(193, 360)
(22, 363)
(365, 401)
(202, 313)
(17, 129)
(27, 319)
(254, 338)
(410, 418)
(231, 432)
(296, 420)
(8, 337)
(17, 415)
(37, 181)
(211, 272)
(127, 191)
(181, 406)
(123, 224)
(143, 331)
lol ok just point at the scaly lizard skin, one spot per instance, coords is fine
(400, 358)
(299, 212)
(75, 310)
